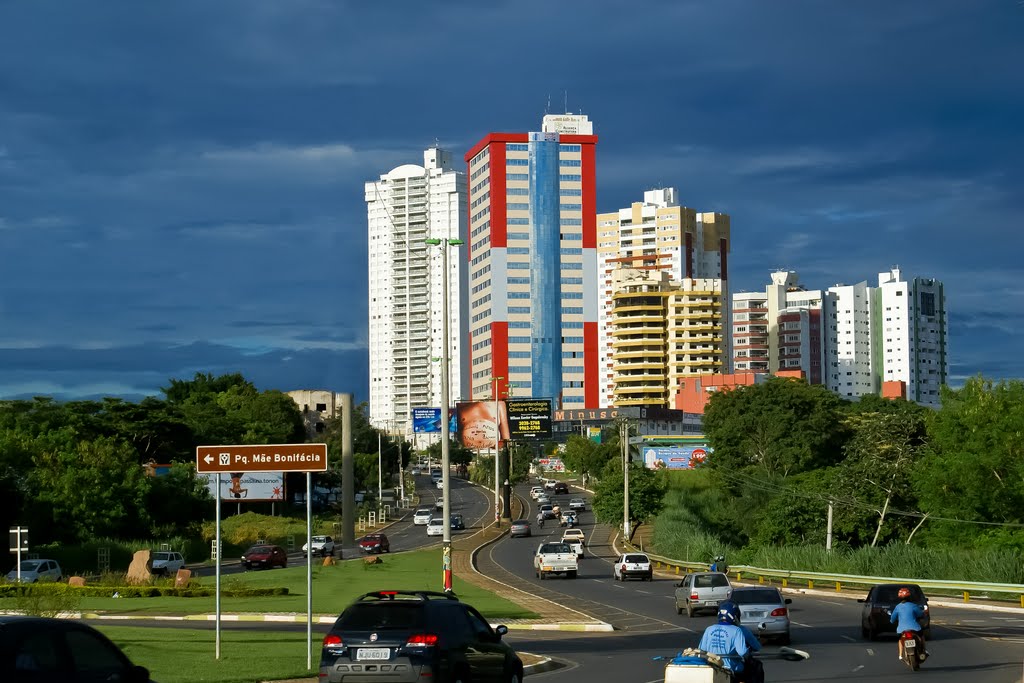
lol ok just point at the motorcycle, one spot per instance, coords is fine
(912, 649)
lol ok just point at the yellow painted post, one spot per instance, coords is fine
(739, 576)
(785, 582)
(839, 586)
(967, 596)
(760, 580)
(1021, 597)
(1022, 600)
(810, 584)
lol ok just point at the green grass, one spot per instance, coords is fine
(186, 656)
(333, 588)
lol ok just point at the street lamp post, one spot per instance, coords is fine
(446, 510)
(624, 443)
(497, 457)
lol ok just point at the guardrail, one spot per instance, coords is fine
(837, 580)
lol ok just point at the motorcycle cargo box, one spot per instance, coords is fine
(694, 673)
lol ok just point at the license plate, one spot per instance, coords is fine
(909, 644)
(756, 614)
(375, 653)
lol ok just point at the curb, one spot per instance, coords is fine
(546, 664)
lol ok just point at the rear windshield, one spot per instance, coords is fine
(891, 594)
(636, 558)
(755, 596)
(378, 616)
(710, 581)
(555, 548)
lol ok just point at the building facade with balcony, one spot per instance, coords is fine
(405, 207)
(532, 311)
(662, 331)
(658, 235)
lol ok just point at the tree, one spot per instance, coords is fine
(646, 494)
(881, 459)
(777, 428)
(975, 468)
(588, 457)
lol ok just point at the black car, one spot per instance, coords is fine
(416, 636)
(878, 608)
(560, 487)
(37, 649)
(457, 523)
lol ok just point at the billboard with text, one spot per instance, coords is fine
(528, 418)
(678, 458)
(247, 486)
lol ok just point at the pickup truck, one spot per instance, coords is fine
(555, 558)
(576, 545)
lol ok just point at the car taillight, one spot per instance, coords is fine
(694, 596)
(332, 640)
(422, 640)
(779, 612)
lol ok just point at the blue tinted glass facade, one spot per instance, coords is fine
(545, 260)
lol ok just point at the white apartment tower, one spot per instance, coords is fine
(408, 205)
(910, 335)
(848, 331)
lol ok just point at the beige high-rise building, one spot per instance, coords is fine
(686, 254)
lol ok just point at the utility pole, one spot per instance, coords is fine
(497, 456)
(624, 443)
(828, 532)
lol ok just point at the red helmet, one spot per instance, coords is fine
(903, 593)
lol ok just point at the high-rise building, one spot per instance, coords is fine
(408, 205)
(850, 373)
(692, 249)
(781, 328)
(909, 335)
(532, 264)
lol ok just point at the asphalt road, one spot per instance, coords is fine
(966, 644)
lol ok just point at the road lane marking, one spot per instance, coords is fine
(856, 669)
(798, 623)
(852, 640)
(871, 652)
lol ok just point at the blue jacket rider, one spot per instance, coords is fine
(728, 639)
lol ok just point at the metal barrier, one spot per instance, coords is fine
(966, 588)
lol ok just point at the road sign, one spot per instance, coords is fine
(19, 539)
(288, 457)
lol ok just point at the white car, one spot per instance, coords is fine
(574, 535)
(322, 545)
(536, 491)
(422, 516)
(440, 483)
(37, 570)
(632, 565)
(163, 563)
(435, 527)
(578, 504)
(543, 499)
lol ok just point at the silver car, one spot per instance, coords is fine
(422, 516)
(763, 610)
(702, 592)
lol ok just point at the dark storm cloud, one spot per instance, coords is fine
(181, 184)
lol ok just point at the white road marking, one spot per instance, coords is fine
(871, 652)
(800, 624)
(852, 640)
(644, 592)
(856, 668)
(832, 602)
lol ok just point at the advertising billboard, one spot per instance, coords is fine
(478, 425)
(250, 486)
(551, 464)
(678, 458)
(426, 420)
(528, 418)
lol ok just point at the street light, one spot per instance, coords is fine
(446, 510)
(497, 461)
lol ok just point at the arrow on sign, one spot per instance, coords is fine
(208, 459)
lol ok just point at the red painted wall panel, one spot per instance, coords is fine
(591, 386)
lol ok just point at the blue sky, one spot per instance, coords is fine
(181, 183)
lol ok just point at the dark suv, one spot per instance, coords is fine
(878, 608)
(415, 636)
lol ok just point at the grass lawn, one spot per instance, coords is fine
(333, 589)
(180, 656)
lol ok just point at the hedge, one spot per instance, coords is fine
(16, 590)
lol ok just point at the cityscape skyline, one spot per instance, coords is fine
(170, 207)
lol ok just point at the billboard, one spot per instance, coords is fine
(678, 458)
(426, 420)
(528, 418)
(250, 486)
(551, 464)
(478, 425)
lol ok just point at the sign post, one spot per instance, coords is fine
(291, 457)
(19, 544)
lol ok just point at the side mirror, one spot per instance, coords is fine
(501, 630)
(789, 601)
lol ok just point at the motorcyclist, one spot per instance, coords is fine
(540, 519)
(735, 644)
(905, 615)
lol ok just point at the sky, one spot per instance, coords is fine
(181, 183)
